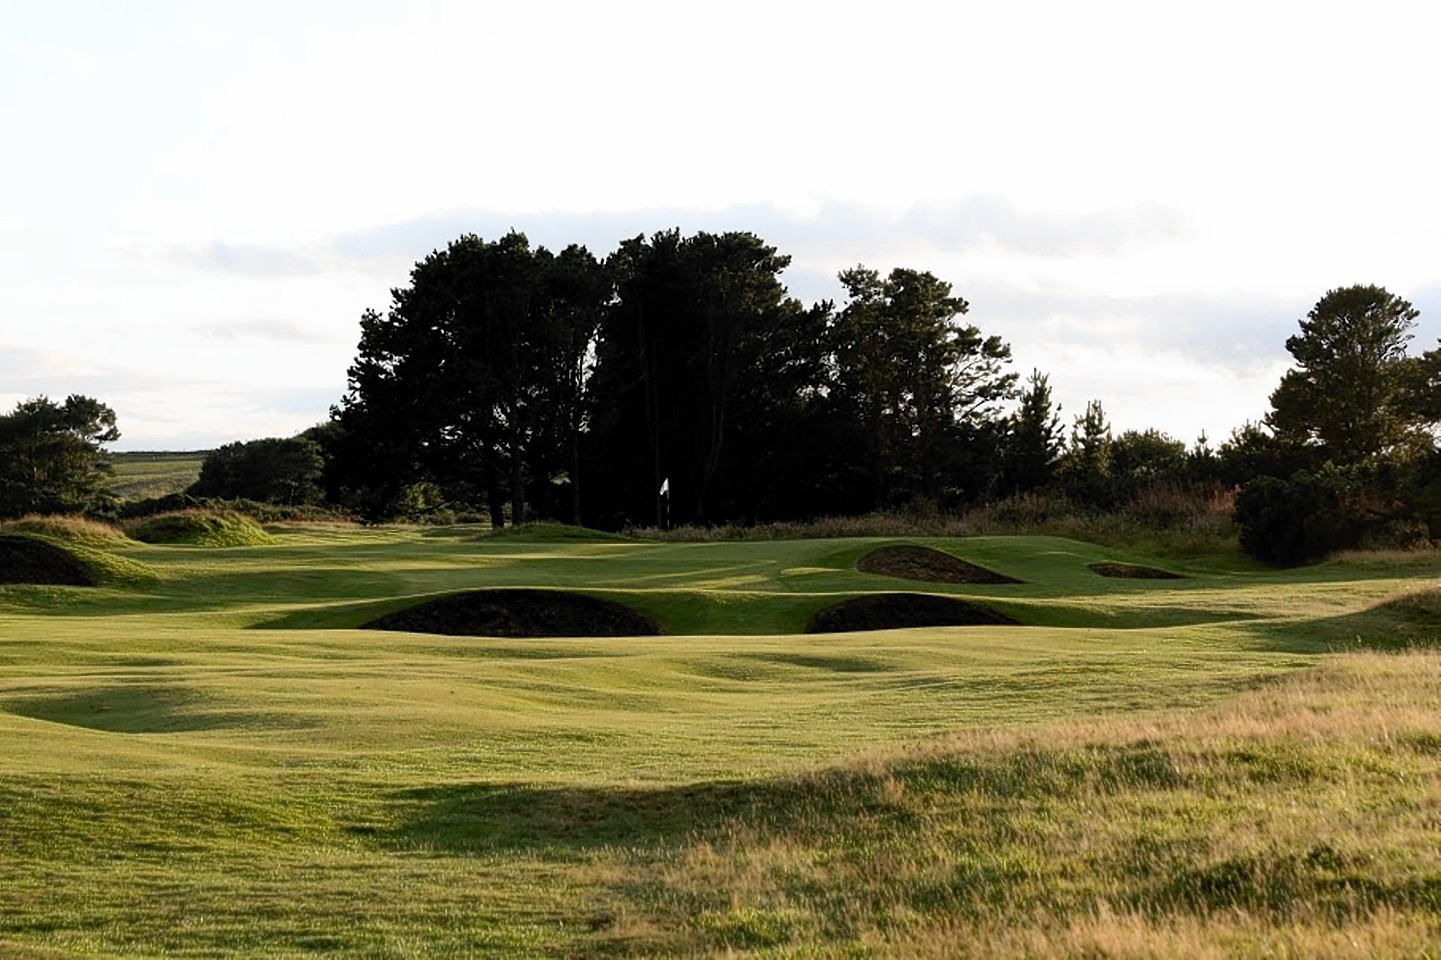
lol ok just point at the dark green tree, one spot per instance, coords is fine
(1350, 392)
(704, 370)
(473, 378)
(1203, 463)
(274, 470)
(1146, 458)
(913, 378)
(51, 457)
(1034, 439)
(1254, 451)
(1085, 469)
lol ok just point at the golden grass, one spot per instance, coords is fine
(1296, 819)
(74, 529)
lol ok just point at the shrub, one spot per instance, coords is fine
(274, 470)
(1314, 514)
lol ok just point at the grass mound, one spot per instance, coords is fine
(910, 562)
(519, 613)
(1132, 571)
(894, 611)
(81, 530)
(201, 528)
(25, 559)
(1407, 621)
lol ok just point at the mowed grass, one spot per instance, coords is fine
(217, 761)
(139, 475)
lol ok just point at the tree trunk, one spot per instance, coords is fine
(517, 491)
(494, 499)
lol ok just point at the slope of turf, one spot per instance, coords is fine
(34, 560)
(518, 613)
(216, 762)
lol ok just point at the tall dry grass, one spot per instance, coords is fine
(1298, 819)
(73, 529)
(1165, 520)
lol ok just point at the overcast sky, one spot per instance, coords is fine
(198, 200)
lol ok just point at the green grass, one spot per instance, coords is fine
(216, 762)
(199, 528)
(137, 476)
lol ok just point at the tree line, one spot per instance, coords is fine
(559, 385)
(676, 381)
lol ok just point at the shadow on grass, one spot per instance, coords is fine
(1405, 622)
(501, 818)
(143, 707)
(988, 804)
(466, 819)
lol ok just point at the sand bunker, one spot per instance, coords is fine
(910, 562)
(519, 613)
(27, 560)
(1132, 571)
(893, 611)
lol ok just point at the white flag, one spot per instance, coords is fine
(665, 486)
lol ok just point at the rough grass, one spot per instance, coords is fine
(218, 765)
(71, 529)
(200, 528)
(1296, 819)
(1160, 521)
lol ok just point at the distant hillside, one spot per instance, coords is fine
(154, 473)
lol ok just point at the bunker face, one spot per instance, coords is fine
(26, 560)
(910, 562)
(895, 611)
(1132, 571)
(519, 613)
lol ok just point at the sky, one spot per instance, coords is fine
(198, 201)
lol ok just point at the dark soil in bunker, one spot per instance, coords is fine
(923, 563)
(519, 613)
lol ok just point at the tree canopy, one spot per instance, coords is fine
(1350, 392)
(913, 377)
(473, 377)
(704, 369)
(51, 459)
(276, 470)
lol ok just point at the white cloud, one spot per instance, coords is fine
(1138, 196)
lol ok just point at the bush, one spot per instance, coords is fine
(273, 470)
(1272, 516)
(1314, 514)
